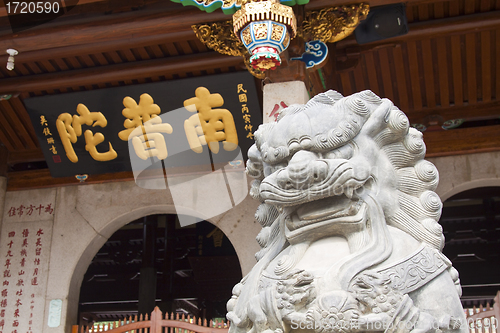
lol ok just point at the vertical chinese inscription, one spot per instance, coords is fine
(23, 265)
(50, 140)
(242, 96)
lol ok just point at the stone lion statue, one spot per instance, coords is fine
(350, 239)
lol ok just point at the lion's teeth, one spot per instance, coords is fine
(349, 191)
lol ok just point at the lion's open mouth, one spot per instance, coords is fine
(316, 206)
(324, 209)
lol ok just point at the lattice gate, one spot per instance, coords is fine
(157, 322)
(485, 319)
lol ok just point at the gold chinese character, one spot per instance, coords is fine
(240, 88)
(137, 114)
(209, 125)
(246, 118)
(43, 121)
(92, 141)
(46, 131)
(50, 141)
(249, 135)
(248, 127)
(244, 108)
(243, 97)
(144, 127)
(53, 150)
(70, 127)
(148, 141)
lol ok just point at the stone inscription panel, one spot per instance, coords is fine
(24, 256)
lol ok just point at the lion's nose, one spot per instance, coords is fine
(300, 175)
(318, 171)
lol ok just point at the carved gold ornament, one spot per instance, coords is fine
(260, 31)
(277, 32)
(219, 36)
(246, 36)
(332, 24)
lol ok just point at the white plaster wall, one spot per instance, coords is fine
(464, 172)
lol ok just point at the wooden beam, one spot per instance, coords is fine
(18, 125)
(480, 111)
(317, 4)
(435, 28)
(22, 180)
(107, 46)
(24, 118)
(25, 156)
(462, 141)
(8, 131)
(120, 72)
(89, 29)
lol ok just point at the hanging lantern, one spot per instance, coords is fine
(265, 27)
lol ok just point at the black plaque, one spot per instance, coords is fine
(237, 89)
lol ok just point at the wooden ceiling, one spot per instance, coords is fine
(445, 68)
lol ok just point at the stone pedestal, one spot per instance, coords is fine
(278, 96)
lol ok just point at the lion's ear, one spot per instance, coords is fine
(378, 119)
(393, 127)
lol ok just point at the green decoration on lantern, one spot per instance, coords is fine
(228, 6)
